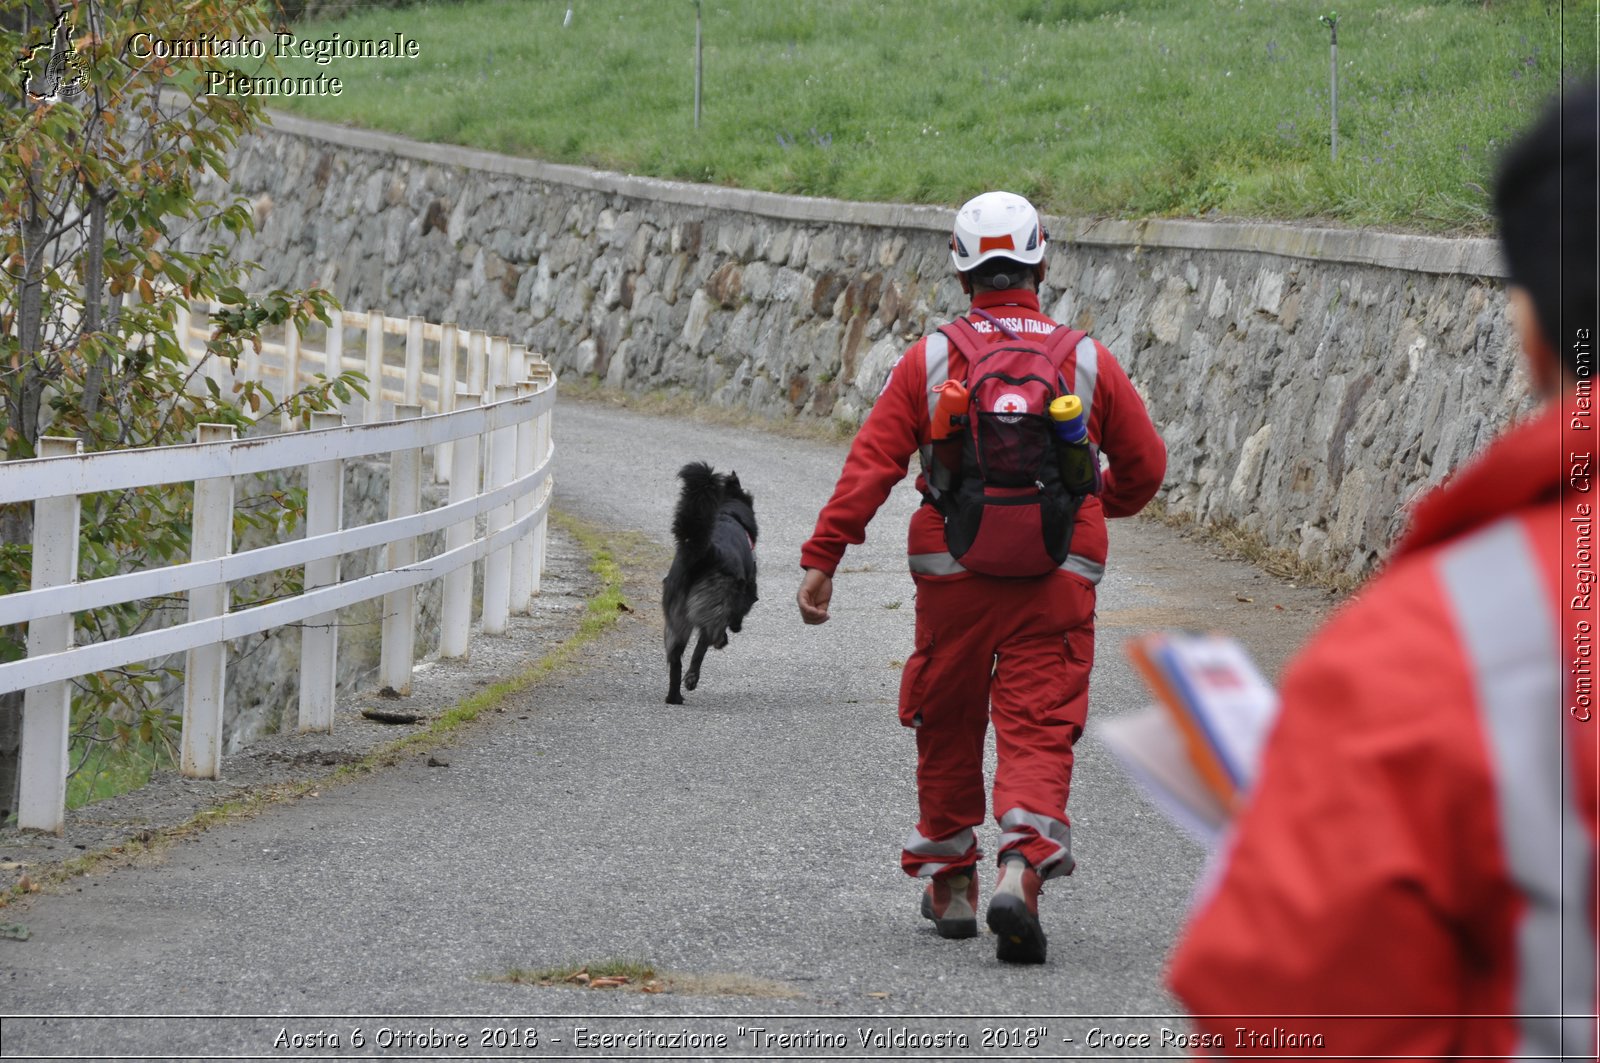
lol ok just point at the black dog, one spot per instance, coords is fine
(712, 584)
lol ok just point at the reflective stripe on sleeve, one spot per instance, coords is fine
(1085, 372)
(1492, 584)
(936, 357)
(936, 360)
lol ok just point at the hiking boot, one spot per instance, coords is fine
(1014, 912)
(952, 903)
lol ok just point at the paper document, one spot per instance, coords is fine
(1197, 753)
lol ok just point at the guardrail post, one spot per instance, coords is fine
(250, 363)
(374, 366)
(455, 616)
(540, 373)
(497, 568)
(180, 329)
(413, 388)
(198, 317)
(400, 607)
(319, 637)
(291, 369)
(47, 709)
(333, 349)
(444, 457)
(205, 670)
(478, 364)
(522, 547)
(499, 370)
(518, 362)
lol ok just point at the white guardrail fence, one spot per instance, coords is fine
(492, 440)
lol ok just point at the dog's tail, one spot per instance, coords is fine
(692, 524)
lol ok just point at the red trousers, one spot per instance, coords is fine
(1017, 652)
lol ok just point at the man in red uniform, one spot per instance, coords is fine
(1018, 650)
(1420, 846)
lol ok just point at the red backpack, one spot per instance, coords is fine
(995, 478)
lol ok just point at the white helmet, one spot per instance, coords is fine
(996, 225)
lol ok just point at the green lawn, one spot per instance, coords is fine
(1101, 107)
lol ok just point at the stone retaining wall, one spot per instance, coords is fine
(1308, 381)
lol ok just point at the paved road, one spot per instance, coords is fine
(752, 833)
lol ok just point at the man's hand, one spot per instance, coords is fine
(816, 590)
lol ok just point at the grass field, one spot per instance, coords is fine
(1100, 107)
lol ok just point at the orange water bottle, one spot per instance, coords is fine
(953, 403)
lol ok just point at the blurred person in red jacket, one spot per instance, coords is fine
(1017, 650)
(1419, 850)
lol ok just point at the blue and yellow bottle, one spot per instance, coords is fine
(1076, 457)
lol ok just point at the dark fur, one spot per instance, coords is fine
(712, 584)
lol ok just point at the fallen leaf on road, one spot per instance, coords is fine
(608, 983)
(1242, 598)
(578, 976)
(878, 996)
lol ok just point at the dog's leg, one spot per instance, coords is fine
(675, 668)
(692, 679)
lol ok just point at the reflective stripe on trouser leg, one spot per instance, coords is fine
(924, 858)
(1022, 826)
(1492, 582)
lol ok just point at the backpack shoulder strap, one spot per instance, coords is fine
(1060, 347)
(966, 339)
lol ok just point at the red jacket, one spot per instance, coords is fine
(898, 426)
(1421, 841)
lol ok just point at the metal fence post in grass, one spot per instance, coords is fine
(47, 709)
(497, 567)
(319, 638)
(205, 670)
(400, 607)
(455, 613)
(697, 65)
(1331, 20)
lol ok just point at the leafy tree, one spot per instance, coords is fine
(103, 230)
